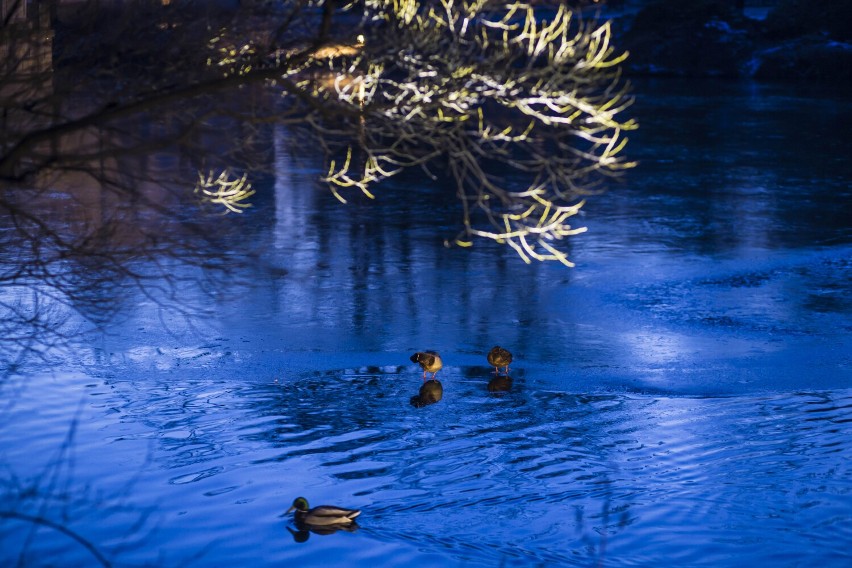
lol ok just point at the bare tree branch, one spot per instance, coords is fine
(517, 105)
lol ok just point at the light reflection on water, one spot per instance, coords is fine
(531, 476)
(682, 397)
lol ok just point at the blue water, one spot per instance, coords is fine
(682, 397)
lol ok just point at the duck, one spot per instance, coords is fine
(499, 357)
(323, 515)
(430, 361)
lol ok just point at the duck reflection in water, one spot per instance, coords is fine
(303, 531)
(430, 392)
(322, 520)
(500, 383)
(429, 361)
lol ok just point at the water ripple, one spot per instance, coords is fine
(529, 476)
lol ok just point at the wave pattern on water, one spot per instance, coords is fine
(530, 476)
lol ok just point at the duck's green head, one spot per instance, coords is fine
(299, 504)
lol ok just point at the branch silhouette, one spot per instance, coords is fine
(516, 107)
(45, 522)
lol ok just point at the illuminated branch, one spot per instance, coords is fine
(222, 190)
(487, 89)
(521, 106)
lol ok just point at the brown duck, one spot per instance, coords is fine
(429, 361)
(499, 357)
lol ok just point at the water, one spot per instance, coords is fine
(200, 470)
(682, 397)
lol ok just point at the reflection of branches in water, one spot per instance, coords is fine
(111, 114)
(54, 500)
(41, 521)
(31, 326)
(95, 206)
(105, 227)
(81, 268)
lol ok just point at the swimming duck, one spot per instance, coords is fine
(430, 361)
(499, 357)
(323, 515)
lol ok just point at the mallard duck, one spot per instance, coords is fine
(430, 361)
(323, 515)
(499, 357)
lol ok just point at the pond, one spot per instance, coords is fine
(682, 397)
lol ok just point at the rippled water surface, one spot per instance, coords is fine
(201, 469)
(682, 397)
